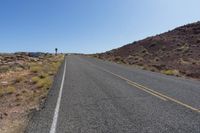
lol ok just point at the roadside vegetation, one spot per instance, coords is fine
(170, 72)
(24, 85)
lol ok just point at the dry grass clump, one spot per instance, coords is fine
(35, 68)
(170, 72)
(35, 79)
(4, 69)
(43, 75)
(18, 79)
(7, 90)
(44, 83)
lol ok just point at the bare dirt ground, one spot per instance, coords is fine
(24, 85)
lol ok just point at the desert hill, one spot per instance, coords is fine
(175, 52)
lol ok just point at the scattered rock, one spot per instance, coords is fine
(4, 83)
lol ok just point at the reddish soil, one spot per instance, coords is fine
(177, 50)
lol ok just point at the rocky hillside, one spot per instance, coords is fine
(175, 52)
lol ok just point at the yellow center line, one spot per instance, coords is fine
(148, 90)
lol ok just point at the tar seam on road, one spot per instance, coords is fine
(148, 90)
(55, 117)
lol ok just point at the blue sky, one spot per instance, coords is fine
(88, 26)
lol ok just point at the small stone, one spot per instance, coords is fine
(4, 83)
(5, 114)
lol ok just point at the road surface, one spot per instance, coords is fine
(94, 96)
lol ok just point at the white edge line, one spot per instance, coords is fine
(55, 117)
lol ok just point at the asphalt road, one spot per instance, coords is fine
(97, 96)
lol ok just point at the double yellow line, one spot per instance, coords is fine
(148, 90)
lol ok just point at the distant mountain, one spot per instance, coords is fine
(175, 52)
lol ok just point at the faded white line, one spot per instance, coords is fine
(55, 118)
